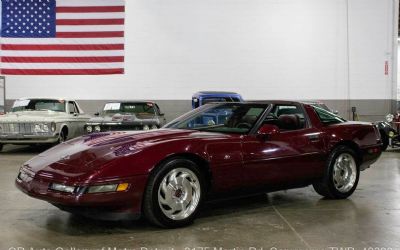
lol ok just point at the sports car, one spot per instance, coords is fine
(166, 175)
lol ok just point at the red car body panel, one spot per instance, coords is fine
(234, 161)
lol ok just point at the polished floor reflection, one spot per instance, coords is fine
(288, 219)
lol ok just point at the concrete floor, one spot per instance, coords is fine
(286, 220)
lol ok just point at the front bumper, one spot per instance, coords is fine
(126, 202)
(28, 139)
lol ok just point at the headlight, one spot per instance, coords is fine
(154, 127)
(97, 128)
(45, 128)
(53, 127)
(108, 188)
(62, 188)
(41, 128)
(391, 134)
(146, 127)
(89, 129)
(389, 117)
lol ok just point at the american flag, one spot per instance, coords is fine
(62, 37)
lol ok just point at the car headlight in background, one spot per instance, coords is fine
(97, 128)
(53, 126)
(391, 134)
(108, 188)
(41, 128)
(89, 129)
(389, 117)
(146, 127)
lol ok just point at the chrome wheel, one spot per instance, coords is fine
(344, 172)
(179, 194)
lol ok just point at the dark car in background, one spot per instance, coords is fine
(217, 116)
(127, 115)
(204, 97)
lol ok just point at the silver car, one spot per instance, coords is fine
(42, 121)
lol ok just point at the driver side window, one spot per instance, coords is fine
(72, 108)
(286, 117)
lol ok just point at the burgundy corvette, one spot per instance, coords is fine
(167, 174)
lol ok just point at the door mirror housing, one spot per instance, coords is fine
(267, 130)
(96, 114)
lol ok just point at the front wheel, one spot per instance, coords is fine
(174, 194)
(341, 176)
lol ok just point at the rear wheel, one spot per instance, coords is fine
(174, 194)
(1, 147)
(341, 176)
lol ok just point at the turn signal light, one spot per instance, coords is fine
(122, 187)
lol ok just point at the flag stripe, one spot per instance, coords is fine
(111, 65)
(90, 34)
(86, 9)
(62, 59)
(71, 53)
(103, 15)
(62, 71)
(90, 2)
(62, 47)
(88, 28)
(90, 21)
(62, 41)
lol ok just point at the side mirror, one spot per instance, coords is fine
(162, 114)
(96, 114)
(335, 112)
(267, 130)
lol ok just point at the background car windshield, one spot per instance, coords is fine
(225, 118)
(39, 105)
(130, 108)
(220, 99)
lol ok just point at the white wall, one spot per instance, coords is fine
(264, 49)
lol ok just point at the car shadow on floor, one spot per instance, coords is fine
(24, 149)
(72, 224)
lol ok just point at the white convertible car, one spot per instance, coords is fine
(42, 121)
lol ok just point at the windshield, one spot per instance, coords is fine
(38, 105)
(129, 108)
(224, 118)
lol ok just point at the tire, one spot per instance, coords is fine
(1, 147)
(62, 137)
(167, 202)
(334, 185)
(385, 140)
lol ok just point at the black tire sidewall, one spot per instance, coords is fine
(329, 181)
(159, 175)
(385, 141)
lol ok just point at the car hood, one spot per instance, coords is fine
(32, 116)
(84, 156)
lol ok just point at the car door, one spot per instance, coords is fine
(294, 154)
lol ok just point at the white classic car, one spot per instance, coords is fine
(42, 121)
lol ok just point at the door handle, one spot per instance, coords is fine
(313, 137)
